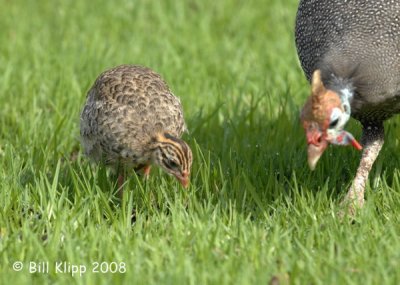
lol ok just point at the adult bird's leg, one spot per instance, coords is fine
(372, 141)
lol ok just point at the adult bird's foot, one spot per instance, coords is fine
(372, 139)
(352, 203)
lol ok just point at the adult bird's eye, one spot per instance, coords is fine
(333, 123)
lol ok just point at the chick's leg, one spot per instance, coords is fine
(146, 171)
(120, 184)
(145, 168)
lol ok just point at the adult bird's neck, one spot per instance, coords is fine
(346, 96)
(344, 88)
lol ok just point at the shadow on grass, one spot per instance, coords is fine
(257, 154)
(250, 153)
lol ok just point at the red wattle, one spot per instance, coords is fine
(356, 144)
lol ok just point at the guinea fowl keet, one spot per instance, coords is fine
(350, 51)
(131, 120)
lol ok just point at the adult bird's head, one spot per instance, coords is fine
(174, 156)
(324, 116)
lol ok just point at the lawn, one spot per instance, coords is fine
(253, 214)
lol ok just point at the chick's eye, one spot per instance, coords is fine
(171, 164)
(333, 123)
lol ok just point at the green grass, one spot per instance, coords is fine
(253, 212)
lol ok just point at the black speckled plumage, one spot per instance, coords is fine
(356, 45)
(359, 39)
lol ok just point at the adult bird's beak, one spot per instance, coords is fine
(314, 152)
(317, 144)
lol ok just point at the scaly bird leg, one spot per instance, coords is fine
(145, 168)
(146, 171)
(372, 141)
(120, 184)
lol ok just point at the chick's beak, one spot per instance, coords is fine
(183, 179)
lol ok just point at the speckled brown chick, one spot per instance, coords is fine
(132, 120)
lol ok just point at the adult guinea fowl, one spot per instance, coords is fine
(350, 51)
(132, 120)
